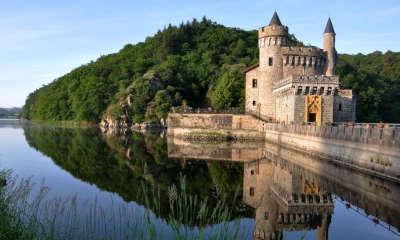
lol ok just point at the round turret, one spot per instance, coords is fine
(329, 48)
(275, 33)
(271, 40)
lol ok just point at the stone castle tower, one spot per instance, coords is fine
(271, 38)
(288, 79)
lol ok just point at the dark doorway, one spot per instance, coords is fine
(312, 117)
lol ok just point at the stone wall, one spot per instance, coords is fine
(372, 150)
(299, 108)
(201, 126)
(303, 61)
(373, 135)
(224, 151)
(285, 107)
(214, 121)
(344, 107)
(388, 136)
(252, 93)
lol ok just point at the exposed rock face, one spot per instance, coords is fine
(117, 118)
(111, 125)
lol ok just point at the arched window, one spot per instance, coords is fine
(254, 103)
(340, 107)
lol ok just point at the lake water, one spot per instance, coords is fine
(267, 190)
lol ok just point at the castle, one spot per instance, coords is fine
(292, 84)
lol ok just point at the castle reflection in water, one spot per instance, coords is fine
(293, 191)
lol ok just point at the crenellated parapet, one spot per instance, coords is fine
(302, 51)
(307, 85)
(273, 31)
(303, 56)
(272, 41)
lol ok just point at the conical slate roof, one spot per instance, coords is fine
(275, 20)
(329, 27)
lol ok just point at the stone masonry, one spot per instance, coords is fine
(277, 87)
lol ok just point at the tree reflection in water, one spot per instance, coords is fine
(283, 190)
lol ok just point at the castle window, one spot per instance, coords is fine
(254, 83)
(307, 91)
(266, 216)
(254, 103)
(340, 107)
(329, 92)
(299, 90)
(335, 91)
(251, 191)
(270, 61)
(321, 90)
(314, 91)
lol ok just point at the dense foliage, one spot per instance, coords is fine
(375, 78)
(177, 65)
(197, 64)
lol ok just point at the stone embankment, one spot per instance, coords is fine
(211, 127)
(372, 148)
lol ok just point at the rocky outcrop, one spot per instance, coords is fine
(111, 125)
(117, 118)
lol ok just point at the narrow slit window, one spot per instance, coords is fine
(299, 90)
(314, 91)
(254, 103)
(321, 90)
(329, 92)
(340, 107)
(266, 216)
(307, 91)
(254, 83)
(251, 191)
(270, 61)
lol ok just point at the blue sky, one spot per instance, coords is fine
(42, 40)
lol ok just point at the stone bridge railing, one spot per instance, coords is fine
(206, 110)
(378, 134)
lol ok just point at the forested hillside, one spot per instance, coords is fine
(375, 78)
(197, 64)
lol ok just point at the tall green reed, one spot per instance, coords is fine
(26, 213)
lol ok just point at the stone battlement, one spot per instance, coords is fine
(302, 51)
(375, 134)
(367, 134)
(272, 30)
(313, 80)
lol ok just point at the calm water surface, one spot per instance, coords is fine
(271, 191)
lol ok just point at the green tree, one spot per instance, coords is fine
(229, 91)
(159, 107)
